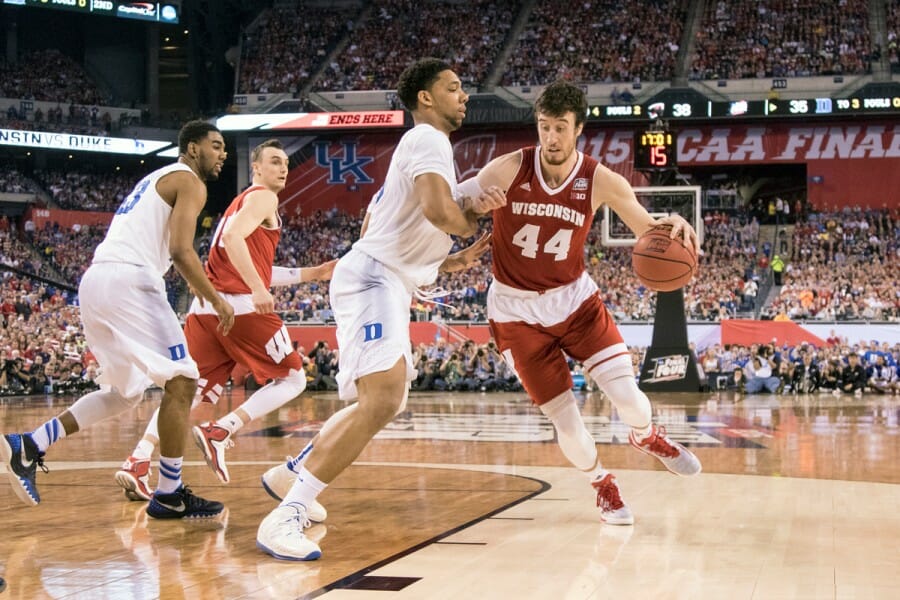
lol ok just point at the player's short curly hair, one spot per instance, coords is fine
(194, 131)
(560, 97)
(419, 76)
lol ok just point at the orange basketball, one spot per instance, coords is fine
(661, 263)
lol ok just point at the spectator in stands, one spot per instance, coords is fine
(807, 376)
(853, 376)
(882, 377)
(748, 40)
(760, 375)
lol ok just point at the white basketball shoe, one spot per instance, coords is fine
(281, 534)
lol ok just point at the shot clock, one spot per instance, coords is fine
(656, 149)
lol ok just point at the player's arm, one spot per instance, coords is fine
(282, 276)
(258, 207)
(612, 189)
(480, 193)
(440, 209)
(188, 196)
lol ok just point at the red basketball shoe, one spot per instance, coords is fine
(674, 456)
(134, 478)
(612, 509)
(214, 439)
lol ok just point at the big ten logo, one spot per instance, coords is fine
(472, 153)
(342, 166)
(669, 368)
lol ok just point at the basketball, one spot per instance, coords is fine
(661, 263)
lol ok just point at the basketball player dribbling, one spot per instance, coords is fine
(405, 243)
(240, 268)
(542, 303)
(132, 330)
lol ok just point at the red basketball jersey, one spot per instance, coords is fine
(539, 236)
(262, 243)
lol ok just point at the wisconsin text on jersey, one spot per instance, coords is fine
(557, 211)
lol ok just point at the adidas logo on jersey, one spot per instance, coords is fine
(525, 186)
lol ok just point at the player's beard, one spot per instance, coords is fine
(551, 159)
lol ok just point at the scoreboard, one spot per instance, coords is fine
(163, 12)
(655, 149)
(708, 109)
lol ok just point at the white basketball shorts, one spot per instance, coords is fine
(131, 329)
(371, 309)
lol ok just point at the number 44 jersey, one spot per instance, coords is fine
(539, 236)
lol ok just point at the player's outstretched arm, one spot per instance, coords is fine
(467, 257)
(258, 207)
(486, 191)
(189, 197)
(282, 276)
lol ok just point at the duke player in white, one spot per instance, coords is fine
(542, 303)
(132, 330)
(406, 242)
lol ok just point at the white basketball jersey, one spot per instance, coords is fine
(139, 232)
(399, 235)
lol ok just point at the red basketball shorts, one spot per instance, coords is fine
(535, 332)
(259, 342)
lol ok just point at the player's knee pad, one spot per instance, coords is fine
(295, 382)
(564, 414)
(608, 364)
(631, 403)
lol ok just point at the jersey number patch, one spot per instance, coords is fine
(527, 239)
(133, 198)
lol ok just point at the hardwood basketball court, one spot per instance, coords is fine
(468, 495)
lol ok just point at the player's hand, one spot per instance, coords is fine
(324, 271)
(469, 256)
(225, 312)
(263, 302)
(491, 198)
(680, 226)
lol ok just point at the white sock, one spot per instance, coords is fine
(169, 474)
(47, 434)
(642, 433)
(597, 472)
(145, 447)
(304, 490)
(295, 463)
(232, 422)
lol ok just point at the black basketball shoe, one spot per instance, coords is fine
(22, 458)
(182, 504)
